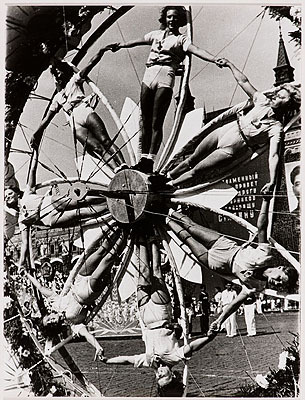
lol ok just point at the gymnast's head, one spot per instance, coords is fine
(11, 197)
(52, 324)
(62, 72)
(180, 13)
(285, 98)
(282, 278)
(169, 383)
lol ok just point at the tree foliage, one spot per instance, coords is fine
(292, 13)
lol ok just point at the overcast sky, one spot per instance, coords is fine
(119, 74)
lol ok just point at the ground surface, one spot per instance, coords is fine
(218, 370)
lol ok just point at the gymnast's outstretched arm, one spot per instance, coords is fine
(273, 162)
(30, 187)
(92, 63)
(239, 76)
(198, 344)
(123, 360)
(131, 43)
(232, 307)
(37, 135)
(42, 289)
(262, 221)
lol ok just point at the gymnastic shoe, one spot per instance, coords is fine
(159, 183)
(145, 165)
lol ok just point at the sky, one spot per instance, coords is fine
(232, 31)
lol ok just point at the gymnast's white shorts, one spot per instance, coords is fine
(159, 76)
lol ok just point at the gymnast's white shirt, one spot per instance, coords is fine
(160, 342)
(259, 124)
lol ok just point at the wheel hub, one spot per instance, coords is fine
(78, 191)
(130, 196)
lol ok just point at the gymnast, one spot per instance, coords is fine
(93, 277)
(168, 49)
(160, 333)
(261, 125)
(88, 127)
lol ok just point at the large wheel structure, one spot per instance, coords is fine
(133, 200)
(137, 203)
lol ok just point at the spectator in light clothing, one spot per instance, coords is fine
(217, 300)
(259, 303)
(190, 312)
(227, 296)
(249, 312)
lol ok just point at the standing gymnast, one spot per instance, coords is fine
(168, 49)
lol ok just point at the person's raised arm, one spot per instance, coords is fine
(25, 232)
(198, 344)
(131, 43)
(49, 349)
(31, 183)
(83, 331)
(273, 161)
(37, 135)
(92, 63)
(43, 290)
(262, 221)
(123, 360)
(239, 76)
(232, 307)
(203, 54)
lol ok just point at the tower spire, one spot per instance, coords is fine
(283, 70)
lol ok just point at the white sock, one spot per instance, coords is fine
(120, 167)
(148, 156)
(170, 211)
